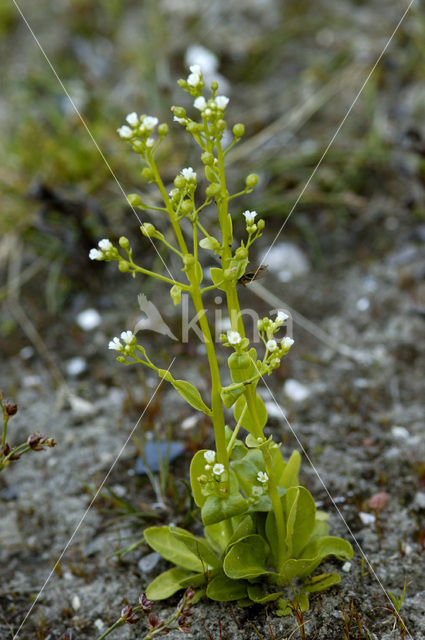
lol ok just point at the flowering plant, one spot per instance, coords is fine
(262, 530)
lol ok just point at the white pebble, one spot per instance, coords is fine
(76, 603)
(367, 518)
(286, 260)
(363, 304)
(75, 366)
(189, 423)
(149, 562)
(88, 319)
(295, 390)
(99, 624)
(346, 567)
(400, 432)
(26, 353)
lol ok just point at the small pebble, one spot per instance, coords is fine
(149, 562)
(26, 353)
(76, 603)
(189, 423)
(367, 518)
(76, 366)
(346, 567)
(286, 260)
(400, 432)
(419, 500)
(295, 390)
(99, 624)
(88, 319)
(119, 490)
(363, 304)
(81, 408)
(273, 410)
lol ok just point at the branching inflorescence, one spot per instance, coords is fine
(262, 530)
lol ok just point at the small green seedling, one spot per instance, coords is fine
(262, 532)
(395, 610)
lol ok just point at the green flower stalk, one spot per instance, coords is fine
(262, 529)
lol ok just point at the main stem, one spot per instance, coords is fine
(195, 291)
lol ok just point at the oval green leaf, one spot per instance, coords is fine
(167, 583)
(224, 589)
(247, 558)
(163, 542)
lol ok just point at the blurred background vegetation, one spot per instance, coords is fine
(291, 69)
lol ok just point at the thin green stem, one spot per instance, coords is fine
(5, 421)
(236, 431)
(216, 401)
(152, 274)
(112, 628)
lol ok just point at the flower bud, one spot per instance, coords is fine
(148, 230)
(251, 180)
(163, 129)
(123, 266)
(121, 359)
(261, 224)
(124, 242)
(207, 158)
(188, 260)
(134, 200)
(241, 253)
(193, 127)
(179, 182)
(148, 174)
(210, 174)
(179, 111)
(238, 130)
(186, 206)
(212, 190)
(214, 85)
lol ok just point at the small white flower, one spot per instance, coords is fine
(262, 477)
(281, 316)
(132, 119)
(95, 254)
(249, 215)
(271, 345)
(188, 173)
(209, 456)
(200, 103)
(127, 336)
(125, 132)
(193, 79)
(221, 102)
(195, 68)
(233, 337)
(105, 245)
(257, 491)
(115, 344)
(180, 120)
(218, 469)
(173, 193)
(287, 342)
(150, 122)
(150, 142)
